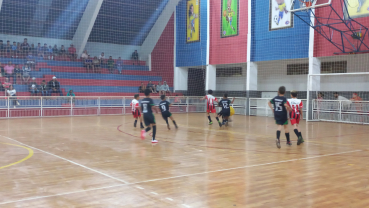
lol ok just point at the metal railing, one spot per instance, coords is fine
(344, 111)
(259, 107)
(53, 106)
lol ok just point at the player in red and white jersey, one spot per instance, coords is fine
(136, 113)
(296, 114)
(210, 105)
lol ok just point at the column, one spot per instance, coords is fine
(180, 79)
(211, 77)
(85, 25)
(252, 76)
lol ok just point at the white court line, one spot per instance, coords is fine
(188, 175)
(185, 205)
(170, 199)
(139, 187)
(96, 171)
(154, 193)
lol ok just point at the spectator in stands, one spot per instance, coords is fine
(84, 56)
(11, 92)
(159, 88)
(6, 84)
(44, 88)
(70, 93)
(72, 52)
(19, 50)
(50, 53)
(9, 70)
(18, 73)
(151, 86)
(31, 61)
(142, 88)
(45, 50)
(8, 48)
(2, 70)
(54, 87)
(25, 47)
(102, 58)
(355, 97)
(32, 87)
(14, 50)
(2, 48)
(32, 49)
(26, 73)
(134, 57)
(119, 64)
(110, 63)
(165, 88)
(62, 51)
(39, 50)
(55, 51)
(88, 63)
(95, 65)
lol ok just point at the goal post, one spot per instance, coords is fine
(338, 97)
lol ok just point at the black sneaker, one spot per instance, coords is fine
(142, 127)
(278, 143)
(220, 124)
(289, 143)
(300, 140)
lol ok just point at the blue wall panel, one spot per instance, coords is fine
(190, 54)
(290, 43)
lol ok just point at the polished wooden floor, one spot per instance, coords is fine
(102, 162)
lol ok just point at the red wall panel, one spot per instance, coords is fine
(231, 49)
(162, 57)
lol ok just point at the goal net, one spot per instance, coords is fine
(339, 97)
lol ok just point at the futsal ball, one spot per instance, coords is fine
(232, 111)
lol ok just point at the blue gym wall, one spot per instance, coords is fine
(290, 43)
(190, 54)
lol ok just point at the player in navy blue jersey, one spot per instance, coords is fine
(164, 107)
(279, 107)
(147, 105)
(226, 109)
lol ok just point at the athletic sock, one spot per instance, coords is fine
(209, 118)
(166, 120)
(300, 135)
(287, 137)
(153, 132)
(142, 125)
(296, 132)
(174, 122)
(278, 134)
(135, 122)
(148, 129)
(217, 118)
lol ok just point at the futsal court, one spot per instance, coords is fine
(102, 162)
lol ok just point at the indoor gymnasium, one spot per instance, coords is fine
(184, 103)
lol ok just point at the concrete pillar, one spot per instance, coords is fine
(152, 38)
(252, 76)
(211, 77)
(85, 25)
(180, 78)
(39, 17)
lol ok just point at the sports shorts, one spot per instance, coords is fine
(149, 118)
(281, 121)
(166, 114)
(136, 114)
(295, 120)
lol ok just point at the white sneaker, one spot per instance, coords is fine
(154, 141)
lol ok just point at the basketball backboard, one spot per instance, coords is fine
(302, 5)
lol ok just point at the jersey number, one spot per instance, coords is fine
(144, 108)
(164, 108)
(225, 105)
(278, 106)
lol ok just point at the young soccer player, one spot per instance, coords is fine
(164, 107)
(226, 109)
(295, 114)
(279, 107)
(136, 113)
(210, 106)
(147, 105)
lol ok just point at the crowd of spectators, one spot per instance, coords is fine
(162, 89)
